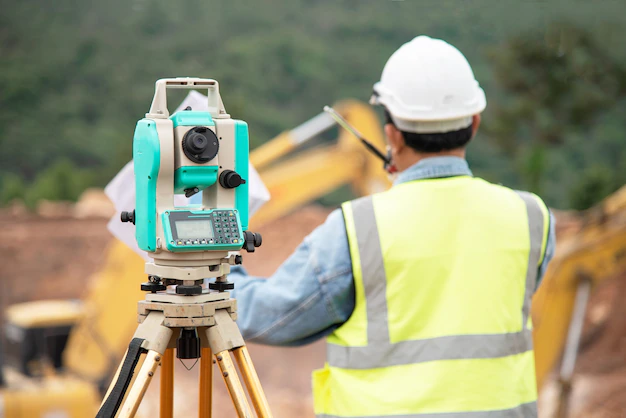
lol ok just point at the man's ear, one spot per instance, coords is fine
(475, 124)
(394, 138)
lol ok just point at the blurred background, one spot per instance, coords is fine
(75, 76)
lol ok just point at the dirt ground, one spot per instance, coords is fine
(42, 258)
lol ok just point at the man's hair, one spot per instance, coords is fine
(434, 142)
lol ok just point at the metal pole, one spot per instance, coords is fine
(571, 346)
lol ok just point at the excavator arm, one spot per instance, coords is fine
(587, 256)
(300, 179)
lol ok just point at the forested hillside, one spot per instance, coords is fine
(76, 75)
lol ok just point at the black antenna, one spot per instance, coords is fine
(344, 124)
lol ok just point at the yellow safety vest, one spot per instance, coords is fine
(444, 271)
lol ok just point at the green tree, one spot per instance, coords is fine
(596, 183)
(61, 181)
(556, 86)
(13, 188)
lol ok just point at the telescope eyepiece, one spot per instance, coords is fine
(200, 144)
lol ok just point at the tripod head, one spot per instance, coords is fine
(187, 153)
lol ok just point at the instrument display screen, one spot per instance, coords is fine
(187, 229)
(204, 230)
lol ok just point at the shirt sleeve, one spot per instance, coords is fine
(550, 248)
(310, 295)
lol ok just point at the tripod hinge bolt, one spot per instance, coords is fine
(150, 374)
(157, 358)
(219, 358)
(225, 374)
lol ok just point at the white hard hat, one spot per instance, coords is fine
(428, 86)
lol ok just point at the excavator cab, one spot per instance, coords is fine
(37, 332)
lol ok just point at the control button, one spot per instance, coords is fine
(227, 234)
(210, 241)
(188, 242)
(195, 241)
(202, 241)
(179, 242)
(233, 224)
(234, 230)
(235, 241)
(231, 213)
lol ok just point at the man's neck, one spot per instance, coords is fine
(416, 157)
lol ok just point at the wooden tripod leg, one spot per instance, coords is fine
(167, 384)
(252, 382)
(234, 385)
(139, 387)
(206, 383)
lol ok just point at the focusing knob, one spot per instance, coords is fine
(229, 179)
(200, 144)
(128, 216)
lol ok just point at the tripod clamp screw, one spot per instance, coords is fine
(221, 286)
(153, 285)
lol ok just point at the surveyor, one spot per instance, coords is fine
(423, 291)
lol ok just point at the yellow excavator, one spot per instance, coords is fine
(66, 379)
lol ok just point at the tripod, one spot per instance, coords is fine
(198, 326)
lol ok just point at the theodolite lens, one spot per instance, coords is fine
(200, 144)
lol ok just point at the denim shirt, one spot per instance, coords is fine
(312, 292)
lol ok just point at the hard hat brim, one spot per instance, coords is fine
(383, 97)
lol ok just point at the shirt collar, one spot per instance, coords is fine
(434, 167)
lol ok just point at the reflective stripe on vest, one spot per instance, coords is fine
(521, 411)
(404, 353)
